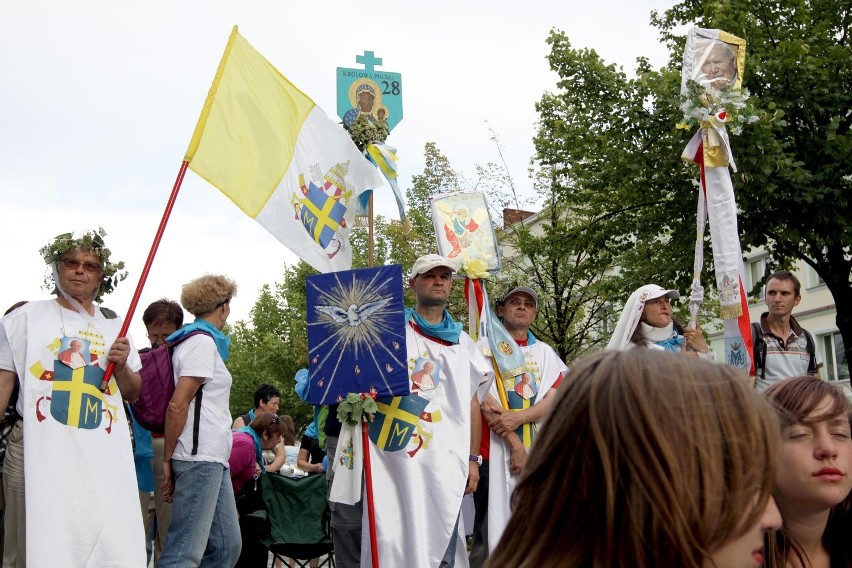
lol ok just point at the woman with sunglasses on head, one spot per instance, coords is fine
(203, 530)
(648, 461)
(814, 477)
(647, 321)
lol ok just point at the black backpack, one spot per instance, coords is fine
(760, 351)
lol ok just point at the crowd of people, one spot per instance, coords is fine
(646, 454)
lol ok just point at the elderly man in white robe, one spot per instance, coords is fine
(508, 434)
(86, 513)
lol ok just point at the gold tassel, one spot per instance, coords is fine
(732, 311)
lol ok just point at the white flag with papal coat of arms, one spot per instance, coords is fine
(268, 147)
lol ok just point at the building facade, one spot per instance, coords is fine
(816, 312)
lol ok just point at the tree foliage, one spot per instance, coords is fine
(614, 150)
(551, 253)
(272, 346)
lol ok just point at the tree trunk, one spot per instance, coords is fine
(838, 283)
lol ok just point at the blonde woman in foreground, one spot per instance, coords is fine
(647, 460)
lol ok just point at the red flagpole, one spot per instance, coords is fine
(371, 509)
(144, 276)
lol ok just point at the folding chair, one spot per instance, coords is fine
(298, 518)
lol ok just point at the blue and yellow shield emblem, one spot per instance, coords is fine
(77, 400)
(519, 398)
(321, 215)
(396, 420)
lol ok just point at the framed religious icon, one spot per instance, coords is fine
(356, 334)
(714, 59)
(463, 228)
(369, 92)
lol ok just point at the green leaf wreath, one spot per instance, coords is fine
(364, 131)
(88, 241)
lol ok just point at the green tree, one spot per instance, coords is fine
(407, 242)
(612, 143)
(551, 253)
(613, 153)
(272, 346)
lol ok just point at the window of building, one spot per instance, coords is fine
(814, 279)
(834, 357)
(755, 269)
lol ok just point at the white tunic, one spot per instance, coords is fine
(82, 505)
(418, 489)
(546, 367)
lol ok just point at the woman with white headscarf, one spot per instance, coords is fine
(647, 321)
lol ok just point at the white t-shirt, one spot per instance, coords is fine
(198, 357)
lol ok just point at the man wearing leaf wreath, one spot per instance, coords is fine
(82, 507)
(424, 463)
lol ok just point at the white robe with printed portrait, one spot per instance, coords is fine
(546, 367)
(418, 489)
(82, 505)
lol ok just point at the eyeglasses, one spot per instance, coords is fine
(521, 302)
(74, 264)
(158, 337)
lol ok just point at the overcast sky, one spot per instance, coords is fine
(98, 100)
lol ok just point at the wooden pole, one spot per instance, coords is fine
(370, 257)
(365, 427)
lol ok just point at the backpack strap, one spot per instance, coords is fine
(108, 313)
(759, 351)
(196, 417)
(197, 420)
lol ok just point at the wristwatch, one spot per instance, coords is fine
(473, 458)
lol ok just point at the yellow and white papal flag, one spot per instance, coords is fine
(268, 147)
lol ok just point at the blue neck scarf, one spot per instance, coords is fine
(250, 415)
(223, 342)
(673, 343)
(447, 329)
(258, 452)
(530, 338)
(311, 430)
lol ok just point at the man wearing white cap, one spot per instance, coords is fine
(647, 321)
(426, 459)
(508, 434)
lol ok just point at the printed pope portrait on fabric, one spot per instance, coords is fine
(356, 334)
(463, 228)
(71, 393)
(714, 59)
(426, 376)
(403, 422)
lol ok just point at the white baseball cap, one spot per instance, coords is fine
(652, 292)
(428, 262)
